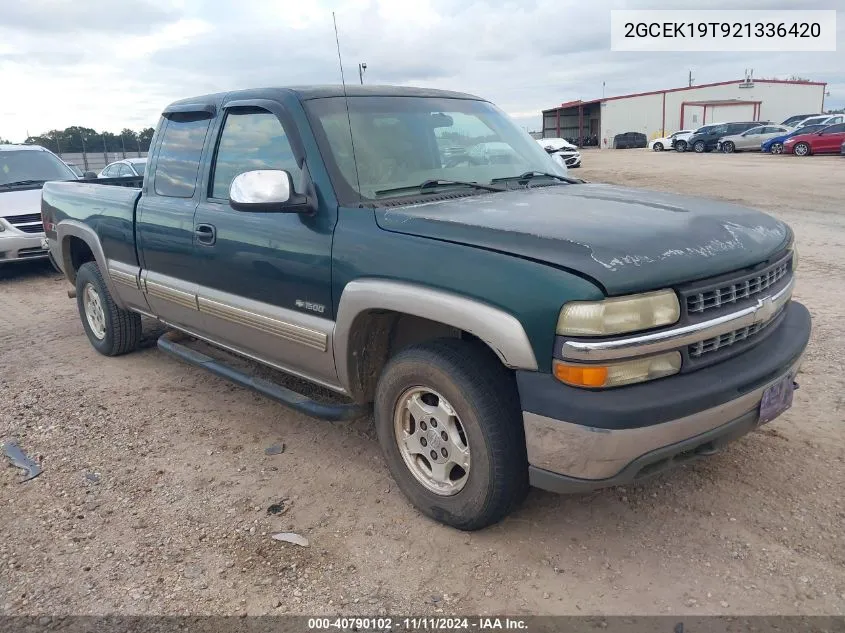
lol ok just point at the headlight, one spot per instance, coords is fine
(618, 374)
(619, 314)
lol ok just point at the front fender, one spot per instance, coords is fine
(501, 331)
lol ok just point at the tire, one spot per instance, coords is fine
(681, 146)
(699, 147)
(658, 147)
(466, 378)
(113, 331)
(801, 149)
(728, 147)
(777, 148)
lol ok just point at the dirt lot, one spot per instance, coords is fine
(156, 483)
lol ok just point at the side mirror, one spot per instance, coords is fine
(269, 190)
(88, 175)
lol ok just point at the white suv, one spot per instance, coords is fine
(23, 171)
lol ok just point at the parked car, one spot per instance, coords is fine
(666, 142)
(824, 141)
(679, 143)
(750, 139)
(795, 119)
(775, 144)
(23, 171)
(496, 326)
(706, 138)
(630, 140)
(132, 167)
(562, 151)
(824, 119)
(842, 148)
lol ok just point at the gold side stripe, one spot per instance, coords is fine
(295, 333)
(185, 299)
(127, 279)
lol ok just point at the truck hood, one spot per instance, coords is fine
(20, 202)
(627, 240)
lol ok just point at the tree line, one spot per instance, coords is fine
(76, 139)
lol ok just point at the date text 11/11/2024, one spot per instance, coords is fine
(361, 624)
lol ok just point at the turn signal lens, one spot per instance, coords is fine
(619, 314)
(618, 374)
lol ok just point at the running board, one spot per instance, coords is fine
(331, 412)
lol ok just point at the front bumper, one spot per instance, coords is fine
(581, 440)
(17, 246)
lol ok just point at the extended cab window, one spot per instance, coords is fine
(251, 139)
(179, 155)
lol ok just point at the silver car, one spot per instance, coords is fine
(751, 139)
(23, 170)
(132, 167)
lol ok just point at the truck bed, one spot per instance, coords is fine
(106, 205)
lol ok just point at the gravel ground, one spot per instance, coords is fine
(156, 483)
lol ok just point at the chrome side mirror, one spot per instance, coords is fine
(269, 190)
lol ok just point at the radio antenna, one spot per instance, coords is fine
(348, 117)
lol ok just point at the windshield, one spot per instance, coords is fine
(27, 164)
(402, 142)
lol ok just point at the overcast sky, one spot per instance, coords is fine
(109, 65)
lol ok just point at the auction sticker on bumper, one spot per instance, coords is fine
(776, 399)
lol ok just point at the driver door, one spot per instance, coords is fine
(264, 278)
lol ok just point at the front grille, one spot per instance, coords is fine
(31, 252)
(697, 350)
(737, 290)
(28, 222)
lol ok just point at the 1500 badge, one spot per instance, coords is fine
(314, 307)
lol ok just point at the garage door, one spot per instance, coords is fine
(725, 113)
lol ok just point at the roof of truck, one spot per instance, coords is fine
(305, 93)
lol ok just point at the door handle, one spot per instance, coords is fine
(206, 234)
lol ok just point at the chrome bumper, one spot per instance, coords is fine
(597, 457)
(15, 247)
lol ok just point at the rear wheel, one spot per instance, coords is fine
(801, 149)
(681, 146)
(658, 147)
(111, 330)
(699, 147)
(777, 148)
(728, 147)
(450, 426)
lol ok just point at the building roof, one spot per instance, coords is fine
(578, 102)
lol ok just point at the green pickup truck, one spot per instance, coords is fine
(416, 252)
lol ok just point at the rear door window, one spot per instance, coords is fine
(179, 155)
(835, 129)
(251, 139)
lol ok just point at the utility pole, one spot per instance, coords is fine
(123, 145)
(361, 68)
(690, 79)
(84, 152)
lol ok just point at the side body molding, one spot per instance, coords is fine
(498, 329)
(74, 228)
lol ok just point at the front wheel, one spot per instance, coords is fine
(728, 147)
(699, 147)
(450, 426)
(777, 148)
(658, 147)
(801, 149)
(111, 330)
(681, 146)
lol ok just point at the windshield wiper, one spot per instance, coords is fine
(528, 175)
(436, 182)
(23, 182)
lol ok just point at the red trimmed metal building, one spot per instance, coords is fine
(661, 112)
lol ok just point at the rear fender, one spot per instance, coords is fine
(67, 229)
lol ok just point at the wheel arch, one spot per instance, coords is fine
(79, 243)
(376, 318)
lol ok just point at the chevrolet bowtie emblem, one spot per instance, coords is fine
(764, 310)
